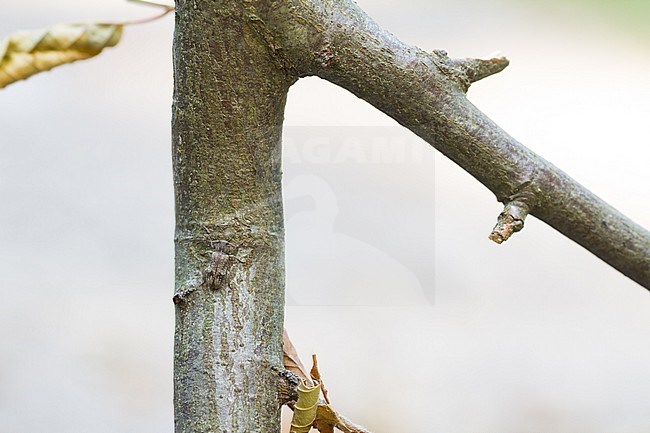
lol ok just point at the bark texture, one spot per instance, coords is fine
(228, 109)
(425, 92)
(234, 62)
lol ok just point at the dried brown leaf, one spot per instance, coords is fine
(315, 375)
(326, 419)
(309, 410)
(292, 360)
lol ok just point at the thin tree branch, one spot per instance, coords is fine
(425, 92)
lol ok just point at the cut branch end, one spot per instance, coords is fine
(477, 69)
(511, 220)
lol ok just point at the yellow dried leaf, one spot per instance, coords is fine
(304, 411)
(24, 54)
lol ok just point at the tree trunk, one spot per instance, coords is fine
(229, 99)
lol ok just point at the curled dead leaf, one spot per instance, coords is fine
(309, 410)
(24, 54)
(304, 411)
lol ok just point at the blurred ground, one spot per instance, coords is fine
(391, 278)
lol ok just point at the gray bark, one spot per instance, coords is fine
(234, 62)
(229, 99)
(425, 92)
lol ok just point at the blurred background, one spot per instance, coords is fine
(391, 277)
